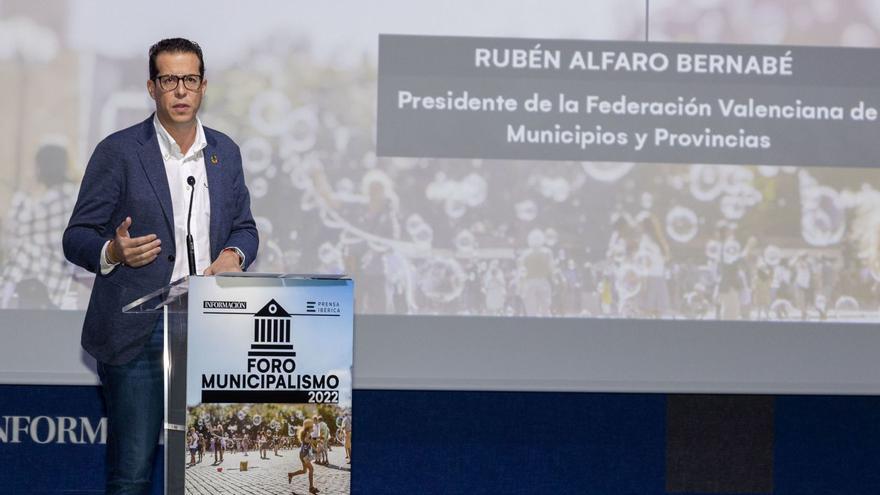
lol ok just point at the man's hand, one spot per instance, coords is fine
(228, 261)
(132, 251)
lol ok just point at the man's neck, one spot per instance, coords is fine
(183, 134)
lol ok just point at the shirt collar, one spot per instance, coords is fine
(169, 147)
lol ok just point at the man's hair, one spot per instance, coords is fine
(175, 45)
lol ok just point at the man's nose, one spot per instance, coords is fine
(180, 90)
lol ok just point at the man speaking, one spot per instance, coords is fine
(129, 227)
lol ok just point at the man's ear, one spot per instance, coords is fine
(151, 88)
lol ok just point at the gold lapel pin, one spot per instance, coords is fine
(214, 159)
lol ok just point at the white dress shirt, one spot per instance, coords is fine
(178, 167)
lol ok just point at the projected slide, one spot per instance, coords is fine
(484, 170)
(666, 195)
(622, 229)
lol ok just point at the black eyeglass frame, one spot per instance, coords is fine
(177, 80)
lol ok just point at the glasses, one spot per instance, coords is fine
(170, 82)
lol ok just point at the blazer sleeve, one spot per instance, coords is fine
(243, 234)
(89, 227)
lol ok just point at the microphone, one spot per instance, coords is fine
(190, 246)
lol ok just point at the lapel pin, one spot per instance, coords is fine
(214, 159)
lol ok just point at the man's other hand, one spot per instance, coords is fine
(228, 261)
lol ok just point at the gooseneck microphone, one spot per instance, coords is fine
(190, 247)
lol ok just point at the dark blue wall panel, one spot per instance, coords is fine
(421, 442)
(827, 445)
(490, 442)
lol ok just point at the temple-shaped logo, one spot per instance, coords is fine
(272, 332)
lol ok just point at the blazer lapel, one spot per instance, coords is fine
(214, 173)
(154, 167)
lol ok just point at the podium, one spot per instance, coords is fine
(249, 357)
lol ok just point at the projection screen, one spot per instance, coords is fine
(496, 242)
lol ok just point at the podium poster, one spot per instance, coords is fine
(268, 369)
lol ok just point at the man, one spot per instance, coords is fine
(36, 271)
(193, 441)
(316, 436)
(346, 426)
(325, 442)
(129, 227)
(220, 443)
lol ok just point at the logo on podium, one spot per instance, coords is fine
(272, 332)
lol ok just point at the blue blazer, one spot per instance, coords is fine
(126, 177)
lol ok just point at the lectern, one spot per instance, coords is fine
(248, 359)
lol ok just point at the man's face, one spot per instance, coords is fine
(180, 105)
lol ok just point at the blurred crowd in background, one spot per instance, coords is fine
(468, 237)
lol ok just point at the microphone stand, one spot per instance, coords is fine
(190, 246)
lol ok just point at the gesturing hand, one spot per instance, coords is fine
(132, 251)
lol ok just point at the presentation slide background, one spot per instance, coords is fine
(68, 87)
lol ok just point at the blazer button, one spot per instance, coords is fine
(171, 258)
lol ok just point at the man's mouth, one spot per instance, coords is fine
(180, 106)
